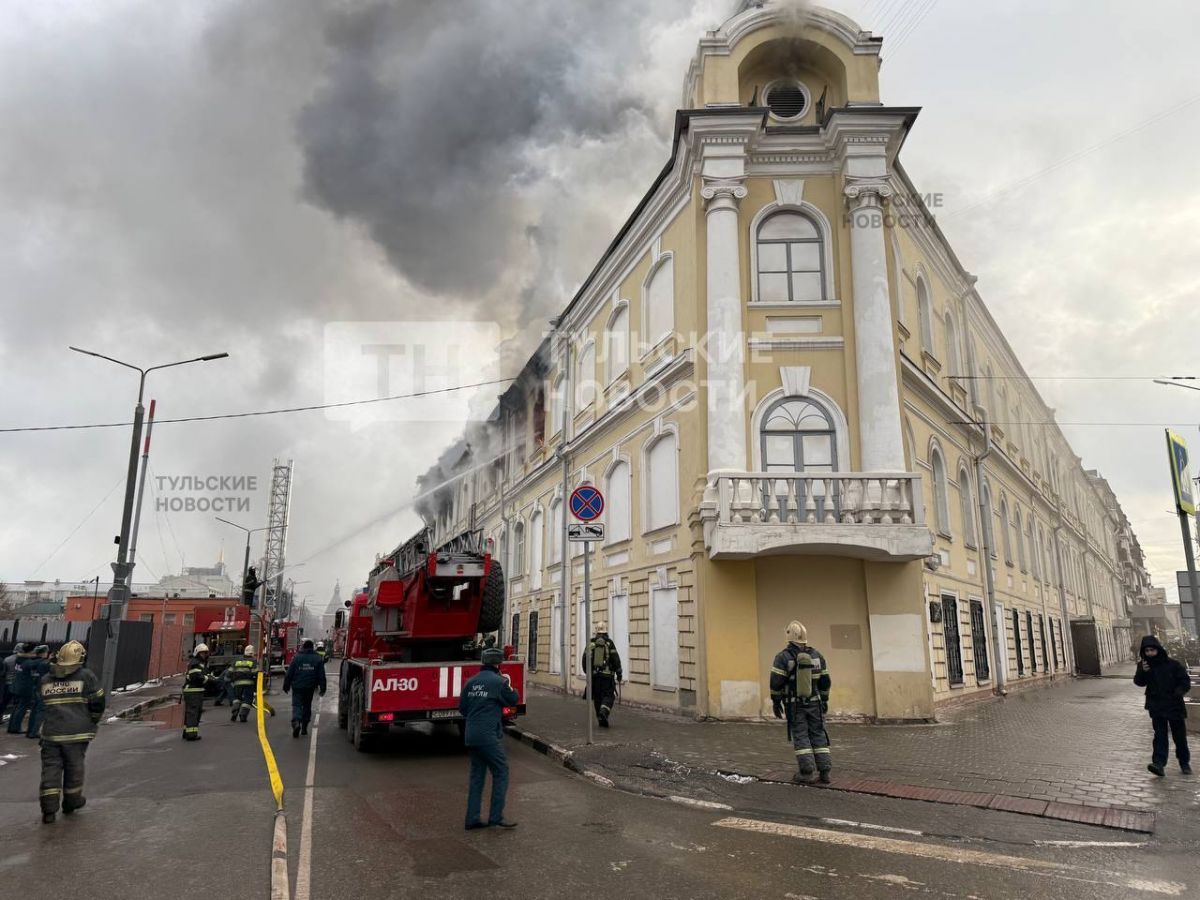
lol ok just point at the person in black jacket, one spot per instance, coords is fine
(606, 672)
(306, 674)
(800, 685)
(34, 669)
(74, 702)
(195, 680)
(1166, 681)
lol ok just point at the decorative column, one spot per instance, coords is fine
(879, 432)
(726, 344)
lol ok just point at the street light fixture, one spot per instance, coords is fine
(246, 559)
(118, 594)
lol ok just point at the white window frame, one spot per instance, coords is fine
(585, 381)
(925, 313)
(616, 364)
(966, 500)
(611, 533)
(822, 224)
(666, 432)
(649, 342)
(941, 490)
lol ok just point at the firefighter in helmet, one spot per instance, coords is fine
(195, 680)
(606, 672)
(242, 674)
(800, 690)
(73, 702)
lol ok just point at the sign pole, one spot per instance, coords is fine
(587, 623)
(1185, 504)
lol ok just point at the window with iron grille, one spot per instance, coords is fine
(1042, 632)
(515, 634)
(1016, 626)
(1032, 648)
(954, 663)
(983, 670)
(1054, 644)
(533, 642)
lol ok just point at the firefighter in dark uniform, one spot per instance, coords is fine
(800, 690)
(34, 670)
(242, 674)
(606, 672)
(305, 675)
(21, 687)
(73, 702)
(195, 680)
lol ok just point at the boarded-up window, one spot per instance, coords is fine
(663, 476)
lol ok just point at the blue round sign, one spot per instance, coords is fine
(586, 503)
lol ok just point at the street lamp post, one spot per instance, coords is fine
(118, 594)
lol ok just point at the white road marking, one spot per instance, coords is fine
(699, 804)
(304, 862)
(872, 827)
(1043, 868)
(1090, 843)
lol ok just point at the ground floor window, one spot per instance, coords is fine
(1042, 635)
(954, 663)
(1032, 649)
(1054, 645)
(983, 671)
(533, 641)
(664, 634)
(1016, 627)
(515, 634)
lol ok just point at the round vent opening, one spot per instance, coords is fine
(787, 100)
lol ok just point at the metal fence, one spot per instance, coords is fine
(52, 632)
(133, 651)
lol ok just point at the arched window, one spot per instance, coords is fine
(953, 357)
(585, 378)
(791, 254)
(554, 537)
(798, 436)
(990, 378)
(517, 566)
(537, 539)
(925, 313)
(617, 511)
(989, 512)
(554, 411)
(659, 300)
(1006, 527)
(941, 507)
(968, 507)
(1019, 527)
(1035, 549)
(616, 348)
(662, 489)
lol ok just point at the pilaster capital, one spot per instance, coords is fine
(723, 192)
(867, 192)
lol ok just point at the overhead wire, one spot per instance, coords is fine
(74, 530)
(316, 407)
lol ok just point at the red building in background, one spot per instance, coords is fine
(173, 618)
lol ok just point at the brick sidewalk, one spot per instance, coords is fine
(1084, 742)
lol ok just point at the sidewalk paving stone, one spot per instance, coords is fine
(1076, 750)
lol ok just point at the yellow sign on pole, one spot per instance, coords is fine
(1181, 476)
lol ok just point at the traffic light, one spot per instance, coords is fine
(249, 586)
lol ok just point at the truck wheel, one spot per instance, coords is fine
(358, 735)
(343, 709)
(491, 612)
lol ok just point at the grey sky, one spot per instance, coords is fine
(186, 178)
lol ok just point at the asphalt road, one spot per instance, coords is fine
(181, 821)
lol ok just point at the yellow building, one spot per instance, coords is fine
(798, 407)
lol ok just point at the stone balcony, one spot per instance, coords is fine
(866, 515)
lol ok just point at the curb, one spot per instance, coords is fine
(1114, 817)
(143, 705)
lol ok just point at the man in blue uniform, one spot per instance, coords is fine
(482, 704)
(305, 675)
(20, 686)
(800, 686)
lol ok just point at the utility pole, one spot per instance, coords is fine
(118, 594)
(141, 489)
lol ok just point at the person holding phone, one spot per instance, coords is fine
(1166, 681)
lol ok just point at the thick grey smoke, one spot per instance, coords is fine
(441, 129)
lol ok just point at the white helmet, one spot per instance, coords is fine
(601, 627)
(797, 633)
(320, 645)
(249, 649)
(200, 648)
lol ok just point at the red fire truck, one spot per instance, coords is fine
(413, 636)
(285, 642)
(226, 630)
